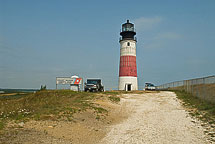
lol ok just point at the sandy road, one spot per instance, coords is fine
(155, 118)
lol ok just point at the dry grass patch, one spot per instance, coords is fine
(47, 105)
(203, 110)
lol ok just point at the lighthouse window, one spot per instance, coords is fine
(128, 44)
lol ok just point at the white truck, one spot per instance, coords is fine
(149, 86)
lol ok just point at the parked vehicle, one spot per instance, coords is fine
(93, 85)
(149, 86)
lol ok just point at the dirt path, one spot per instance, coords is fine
(155, 118)
(146, 118)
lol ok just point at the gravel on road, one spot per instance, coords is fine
(155, 118)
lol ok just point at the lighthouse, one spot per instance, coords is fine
(128, 66)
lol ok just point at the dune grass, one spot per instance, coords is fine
(114, 99)
(201, 109)
(47, 104)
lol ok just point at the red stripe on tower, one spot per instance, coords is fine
(128, 66)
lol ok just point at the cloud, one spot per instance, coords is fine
(147, 23)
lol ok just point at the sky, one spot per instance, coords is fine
(41, 40)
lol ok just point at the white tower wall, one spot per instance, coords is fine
(125, 80)
(126, 50)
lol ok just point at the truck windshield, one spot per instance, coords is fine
(149, 84)
(92, 81)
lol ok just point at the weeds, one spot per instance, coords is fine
(1, 125)
(203, 108)
(113, 93)
(114, 98)
(204, 111)
(48, 104)
(99, 109)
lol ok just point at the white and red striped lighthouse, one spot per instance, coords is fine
(128, 66)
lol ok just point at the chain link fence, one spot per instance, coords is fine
(203, 88)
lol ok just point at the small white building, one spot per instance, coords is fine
(75, 82)
(1, 92)
(75, 86)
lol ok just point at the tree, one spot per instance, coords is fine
(43, 87)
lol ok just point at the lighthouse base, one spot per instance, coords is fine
(128, 83)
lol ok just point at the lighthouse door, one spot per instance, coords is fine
(128, 87)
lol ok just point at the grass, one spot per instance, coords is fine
(12, 95)
(47, 104)
(112, 92)
(201, 109)
(1, 125)
(113, 95)
(114, 98)
(117, 92)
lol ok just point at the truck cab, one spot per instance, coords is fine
(93, 85)
(149, 86)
